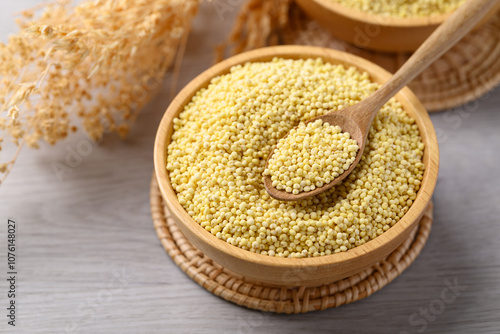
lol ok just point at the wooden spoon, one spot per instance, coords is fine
(357, 119)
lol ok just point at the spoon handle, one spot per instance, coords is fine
(442, 39)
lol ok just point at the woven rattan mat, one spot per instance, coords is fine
(465, 73)
(234, 288)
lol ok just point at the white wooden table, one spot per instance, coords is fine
(90, 262)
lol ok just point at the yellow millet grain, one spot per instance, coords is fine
(223, 136)
(403, 8)
(312, 155)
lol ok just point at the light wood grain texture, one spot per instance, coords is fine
(73, 234)
(357, 119)
(318, 270)
(388, 34)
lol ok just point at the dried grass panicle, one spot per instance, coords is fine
(100, 60)
(258, 25)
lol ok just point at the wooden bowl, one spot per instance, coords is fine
(375, 32)
(292, 271)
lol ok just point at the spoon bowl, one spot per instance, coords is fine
(347, 124)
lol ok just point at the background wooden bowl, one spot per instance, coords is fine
(304, 271)
(365, 30)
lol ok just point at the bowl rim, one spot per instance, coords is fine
(381, 20)
(377, 74)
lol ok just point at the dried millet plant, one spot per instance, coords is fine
(257, 25)
(99, 60)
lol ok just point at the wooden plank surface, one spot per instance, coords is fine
(90, 262)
